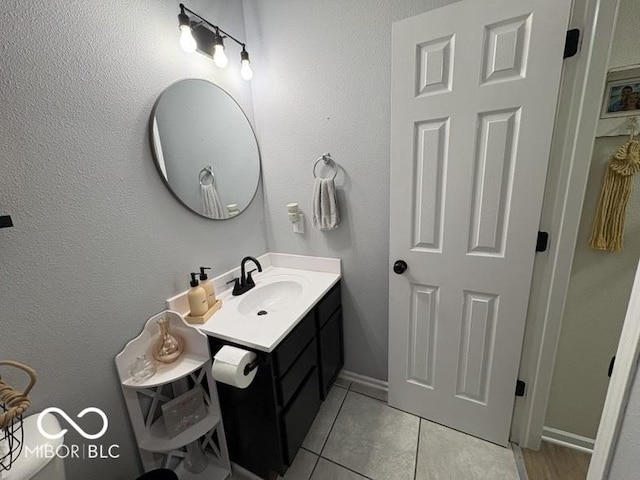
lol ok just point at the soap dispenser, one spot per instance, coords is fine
(207, 284)
(197, 298)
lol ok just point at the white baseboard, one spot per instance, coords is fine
(348, 376)
(566, 439)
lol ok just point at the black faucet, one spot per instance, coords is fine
(245, 282)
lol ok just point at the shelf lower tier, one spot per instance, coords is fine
(213, 472)
(155, 438)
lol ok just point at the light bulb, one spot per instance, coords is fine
(219, 57)
(187, 42)
(245, 70)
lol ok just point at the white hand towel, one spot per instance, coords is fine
(325, 205)
(211, 203)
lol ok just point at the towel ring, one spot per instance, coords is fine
(208, 170)
(328, 161)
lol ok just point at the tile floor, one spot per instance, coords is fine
(357, 436)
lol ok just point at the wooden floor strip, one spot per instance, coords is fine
(554, 462)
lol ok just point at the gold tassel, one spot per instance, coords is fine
(608, 225)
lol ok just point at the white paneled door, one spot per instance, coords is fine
(474, 90)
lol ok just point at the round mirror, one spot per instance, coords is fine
(205, 149)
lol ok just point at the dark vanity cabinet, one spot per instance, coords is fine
(266, 423)
(328, 316)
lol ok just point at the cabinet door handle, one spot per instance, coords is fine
(400, 267)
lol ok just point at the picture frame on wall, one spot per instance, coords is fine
(621, 98)
(620, 102)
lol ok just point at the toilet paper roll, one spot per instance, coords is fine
(228, 366)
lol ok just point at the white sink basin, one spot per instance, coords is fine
(286, 293)
(274, 296)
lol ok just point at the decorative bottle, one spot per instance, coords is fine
(169, 346)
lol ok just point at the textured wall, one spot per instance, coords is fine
(322, 84)
(600, 282)
(624, 50)
(98, 242)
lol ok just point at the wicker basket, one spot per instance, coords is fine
(13, 404)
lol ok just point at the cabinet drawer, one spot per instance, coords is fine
(298, 418)
(296, 374)
(330, 344)
(328, 305)
(295, 342)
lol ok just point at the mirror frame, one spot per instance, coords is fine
(157, 163)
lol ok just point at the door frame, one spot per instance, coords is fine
(574, 135)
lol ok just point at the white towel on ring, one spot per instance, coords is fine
(211, 203)
(325, 205)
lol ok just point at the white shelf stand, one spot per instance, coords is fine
(144, 401)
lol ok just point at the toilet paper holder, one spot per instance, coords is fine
(253, 365)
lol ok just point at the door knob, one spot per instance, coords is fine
(400, 266)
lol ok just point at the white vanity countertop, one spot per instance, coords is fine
(264, 332)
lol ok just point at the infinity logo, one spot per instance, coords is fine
(72, 423)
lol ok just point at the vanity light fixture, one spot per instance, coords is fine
(245, 69)
(219, 57)
(187, 42)
(208, 38)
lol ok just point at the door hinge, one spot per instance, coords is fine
(521, 387)
(542, 242)
(572, 43)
